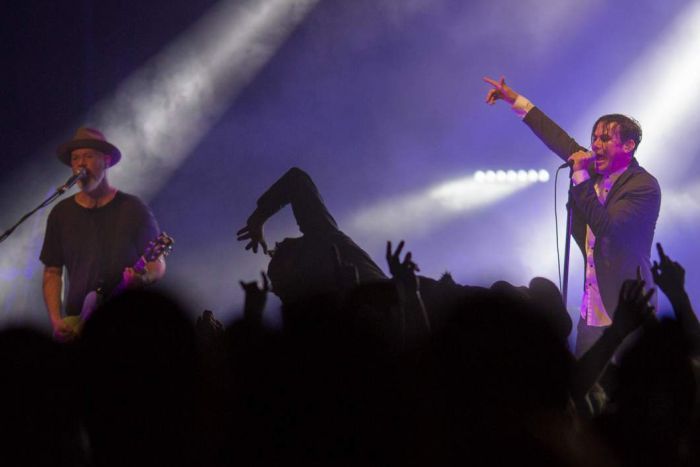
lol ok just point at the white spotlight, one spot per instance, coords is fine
(663, 75)
(422, 212)
(164, 110)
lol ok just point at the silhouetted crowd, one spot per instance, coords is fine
(403, 371)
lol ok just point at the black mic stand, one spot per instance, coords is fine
(567, 242)
(59, 191)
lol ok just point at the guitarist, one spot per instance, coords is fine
(96, 235)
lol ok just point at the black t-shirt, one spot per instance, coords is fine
(95, 245)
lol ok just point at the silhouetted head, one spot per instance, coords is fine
(139, 368)
(301, 267)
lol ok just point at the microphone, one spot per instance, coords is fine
(72, 180)
(570, 163)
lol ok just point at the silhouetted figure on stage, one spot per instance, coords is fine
(615, 205)
(307, 265)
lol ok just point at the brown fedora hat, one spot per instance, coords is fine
(88, 138)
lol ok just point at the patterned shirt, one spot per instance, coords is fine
(592, 308)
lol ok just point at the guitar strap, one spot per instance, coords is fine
(96, 218)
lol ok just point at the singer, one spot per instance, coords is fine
(96, 234)
(615, 205)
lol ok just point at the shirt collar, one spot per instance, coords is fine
(615, 175)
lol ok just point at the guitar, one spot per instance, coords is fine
(161, 247)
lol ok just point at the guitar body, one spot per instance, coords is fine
(158, 248)
(92, 301)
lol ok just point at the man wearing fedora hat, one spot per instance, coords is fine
(96, 234)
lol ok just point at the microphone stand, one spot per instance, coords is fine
(59, 191)
(567, 243)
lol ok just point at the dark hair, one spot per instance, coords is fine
(630, 129)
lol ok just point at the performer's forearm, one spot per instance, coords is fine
(591, 364)
(51, 287)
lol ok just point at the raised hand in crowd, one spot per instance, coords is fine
(253, 231)
(403, 272)
(669, 275)
(632, 311)
(408, 286)
(633, 308)
(255, 299)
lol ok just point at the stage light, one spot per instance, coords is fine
(164, 110)
(511, 176)
(425, 211)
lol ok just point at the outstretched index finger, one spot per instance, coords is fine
(496, 84)
(662, 256)
(398, 249)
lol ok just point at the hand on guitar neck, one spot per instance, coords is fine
(133, 278)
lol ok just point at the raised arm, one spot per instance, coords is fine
(633, 310)
(415, 321)
(553, 136)
(298, 189)
(669, 275)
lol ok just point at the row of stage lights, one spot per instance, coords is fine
(511, 176)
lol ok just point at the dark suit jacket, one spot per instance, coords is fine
(623, 226)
